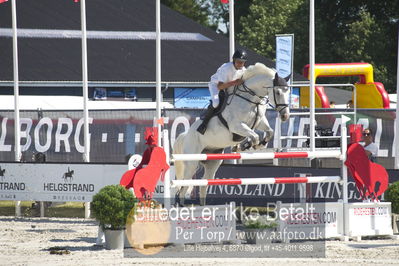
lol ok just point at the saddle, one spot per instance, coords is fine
(223, 97)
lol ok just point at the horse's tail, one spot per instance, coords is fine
(178, 149)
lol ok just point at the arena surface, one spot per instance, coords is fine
(27, 241)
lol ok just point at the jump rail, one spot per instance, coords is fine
(257, 156)
(255, 181)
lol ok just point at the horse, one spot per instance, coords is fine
(69, 175)
(244, 115)
(2, 172)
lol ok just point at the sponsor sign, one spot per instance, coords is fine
(79, 182)
(191, 97)
(294, 100)
(60, 182)
(115, 134)
(284, 54)
(373, 218)
(314, 221)
(56, 182)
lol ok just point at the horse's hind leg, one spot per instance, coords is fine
(189, 170)
(210, 168)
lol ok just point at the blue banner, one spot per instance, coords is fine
(192, 97)
(284, 54)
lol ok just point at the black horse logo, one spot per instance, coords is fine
(67, 175)
(2, 171)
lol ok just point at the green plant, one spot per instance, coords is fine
(112, 205)
(260, 222)
(392, 195)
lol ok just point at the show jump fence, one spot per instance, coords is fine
(339, 154)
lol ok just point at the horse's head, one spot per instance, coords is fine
(279, 96)
(264, 81)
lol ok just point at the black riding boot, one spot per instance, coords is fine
(208, 115)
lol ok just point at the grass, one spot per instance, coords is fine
(67, 209)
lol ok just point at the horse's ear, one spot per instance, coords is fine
(287, 78)
(275, 80)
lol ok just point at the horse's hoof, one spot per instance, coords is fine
(245, 145)
(177, 201)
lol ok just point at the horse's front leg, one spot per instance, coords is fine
(245, 131)
(268, 132)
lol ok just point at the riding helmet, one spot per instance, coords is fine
(240, 54)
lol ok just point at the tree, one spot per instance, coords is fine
(192, 9)
(346, 31)
(361, 30)
(361, 43)
(217, 13)
(265, 19)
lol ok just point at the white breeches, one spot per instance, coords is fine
(213, 89)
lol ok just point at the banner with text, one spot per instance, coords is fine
(114, 134)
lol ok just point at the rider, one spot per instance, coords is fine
(226, 76)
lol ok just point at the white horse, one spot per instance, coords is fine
(245, 114)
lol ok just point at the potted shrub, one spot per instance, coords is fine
(259, 229)
(392, 195)
(111, 207)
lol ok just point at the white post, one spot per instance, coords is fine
(41, 206)
(167, 185)
(16, 82)
(87, 210)
(344, 173)
(158, 67)
(17, 154)
(86, 155)
(397, 111)
(231, 28)
(18, 208)
(344, 144)
(277, 138)
(312, 79)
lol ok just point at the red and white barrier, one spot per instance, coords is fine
(257, 156)
(255, 181)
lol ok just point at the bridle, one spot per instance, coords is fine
(277, 105)
(263, 100)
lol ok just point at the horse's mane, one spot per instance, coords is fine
(256, 69)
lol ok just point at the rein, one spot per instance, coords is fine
(252, 93)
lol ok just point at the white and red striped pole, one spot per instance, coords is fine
(255, 181)
(257, 156)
